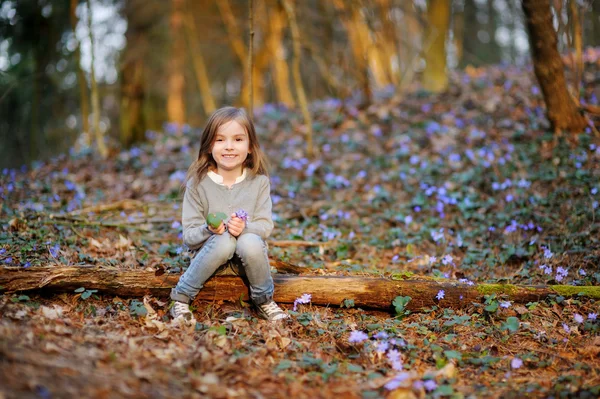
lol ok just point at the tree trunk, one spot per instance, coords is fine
(575, 22)
(208, 100)
(81, 80)
(95, 95)
(133, 76)
(548, 66)
(367, 292)
(289, 8)
(281, 75)
(435, 77)
(176, 96)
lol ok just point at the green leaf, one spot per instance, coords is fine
(453, 355)
(86, 295)
(283, 365)
(512, 324)
(80, 289)
(444, 390)
(348, 303)
(492, 307)
(214, 219)
(355, 368)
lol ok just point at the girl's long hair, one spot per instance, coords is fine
(255, 163)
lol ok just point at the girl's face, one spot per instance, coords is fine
(231, 148)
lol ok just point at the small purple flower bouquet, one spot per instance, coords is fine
(242, 214)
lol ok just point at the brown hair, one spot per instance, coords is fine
(255, 163)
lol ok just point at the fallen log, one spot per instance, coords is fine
(367, 292)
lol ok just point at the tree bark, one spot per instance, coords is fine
(366, 292)
(94, 93)
(302, 101)
(548, 66)
(81, 80)
(435, 77)
(208, 100)
(281, 74)
(176, 96)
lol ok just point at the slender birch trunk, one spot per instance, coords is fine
(291, 13)
(81, 80)
(95, 95)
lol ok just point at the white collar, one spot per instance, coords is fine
(219, 179)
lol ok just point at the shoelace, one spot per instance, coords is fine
(271, 308)
(181, 308)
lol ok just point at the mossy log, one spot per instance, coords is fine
(366, 292)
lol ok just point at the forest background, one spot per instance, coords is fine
(157, 62)
(435, 186)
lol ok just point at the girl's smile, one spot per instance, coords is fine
(230, 149)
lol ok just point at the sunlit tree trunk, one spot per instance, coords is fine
(389, 44)
(435, 77)
(81, 80)
(413, 34)
(289, 8)
(575, 22)
(281, 75)
(208, 100)
(548, 66)
(261, 60)
(359, 45)
(95, 95)
(176, 94)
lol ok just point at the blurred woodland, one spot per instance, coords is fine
(146, 63)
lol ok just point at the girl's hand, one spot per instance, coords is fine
(235, 225)
(218, 230)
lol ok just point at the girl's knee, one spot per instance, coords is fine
(224, 244)
(250, 245)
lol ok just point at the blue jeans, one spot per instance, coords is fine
(248, 249)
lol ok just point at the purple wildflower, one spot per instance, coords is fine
(393, 355)
(54, 251)
(396, 381)
(8, 260)
(357, 337)
(505, 304)
(566, 328)
(382, 346)
(430, 385)
(440, 295)
(175, 225)
(592, 316)
(582, 272)
(578, 318)
(242, 214)
(304, 299)
(516, 363)
(447, 260)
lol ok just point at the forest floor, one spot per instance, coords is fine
(465, 185)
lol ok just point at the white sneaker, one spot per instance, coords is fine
(271, 311)
(180, 309)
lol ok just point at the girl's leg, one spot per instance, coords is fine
(217, 250)
(252, 251)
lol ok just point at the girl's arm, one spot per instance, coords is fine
(262, 219)
(195, 228)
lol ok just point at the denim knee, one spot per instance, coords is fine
(223, 246)
(250, 247)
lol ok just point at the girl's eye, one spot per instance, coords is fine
(239, 139)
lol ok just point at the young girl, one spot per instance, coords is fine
(229, 176)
